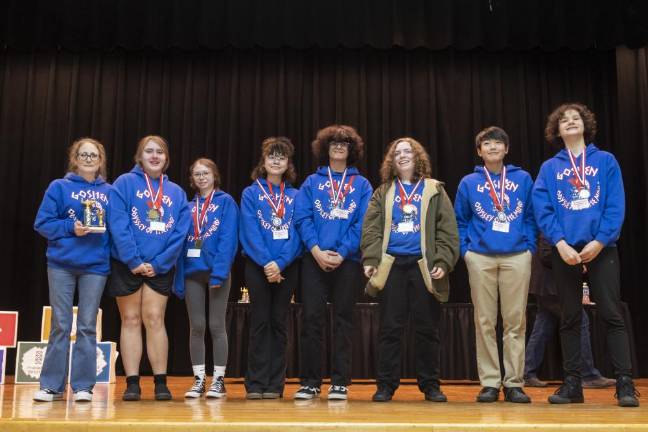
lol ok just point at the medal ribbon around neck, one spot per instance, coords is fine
(278, 207)
(497, 200)
(405, 198)
(342, 190)
(201, 213)
(581, 178)
(156, 202)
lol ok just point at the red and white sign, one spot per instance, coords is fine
(8, 329)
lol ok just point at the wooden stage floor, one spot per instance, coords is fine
(408, 411)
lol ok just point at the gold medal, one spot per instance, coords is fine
(153, 215)
(198, 243)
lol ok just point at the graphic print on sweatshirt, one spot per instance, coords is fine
(272, 221)
(212, 219)
(486, 208)
(144, 221)
(574, 194)
(406, 218)
(331, 208)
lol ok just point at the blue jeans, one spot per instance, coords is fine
(62, 284)
(543, 329)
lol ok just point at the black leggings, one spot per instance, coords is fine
(605, 284)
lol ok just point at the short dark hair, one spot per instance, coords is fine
(552, 134)
(276, 145)
(491, 133)
(337, 133)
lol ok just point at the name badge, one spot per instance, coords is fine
(281, 234)
(157, 226)
(406, 227)
(340, 213)
(580, 204)
(193, 253)
(500, 226)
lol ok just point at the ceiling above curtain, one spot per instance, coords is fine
(382, 24)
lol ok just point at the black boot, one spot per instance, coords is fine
(133, 390)
(162, 392)
(626, 393)
(571, 391)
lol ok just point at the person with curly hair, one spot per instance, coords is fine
(409, 245)
(329, 209)
(204, 273)
(579, 204)
(498, 238)
(271, 246)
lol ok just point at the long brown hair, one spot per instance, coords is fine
(422, 166)
(276, 145)
(164, 145)
(73, 154)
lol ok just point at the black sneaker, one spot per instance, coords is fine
(626, 393)
(217, 388)
(162, 392)
(383, 394)
(133, 390)
(516, 395)
(488, 394)
(571, 391)
(338, 392)
(197, 389)
(434, 394)
(306, 392)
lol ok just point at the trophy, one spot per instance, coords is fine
(93, 217)
(245, 295)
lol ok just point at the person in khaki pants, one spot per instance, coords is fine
(497, 234)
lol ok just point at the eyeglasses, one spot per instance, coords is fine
(277, 158)
(340, 144)
(88, 156)
(201, 174)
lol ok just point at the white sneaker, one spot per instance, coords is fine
(47, 395)
(306, 393)
(197, 389)
(83, 396)
(338, 392)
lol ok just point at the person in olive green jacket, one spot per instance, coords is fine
(409, 245)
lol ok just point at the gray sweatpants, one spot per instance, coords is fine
(195, 287)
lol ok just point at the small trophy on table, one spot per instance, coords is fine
(245, 295)
(93, 217)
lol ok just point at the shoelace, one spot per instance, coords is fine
(217, 385)
(627, 389)
(310, 389)
(198, 385)
(339, 388)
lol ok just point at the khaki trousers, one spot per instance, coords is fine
(505, 277)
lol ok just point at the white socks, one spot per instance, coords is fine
(218, 371)
(199, 370)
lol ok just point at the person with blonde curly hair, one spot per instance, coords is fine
(329, 209)
(579, 203)
(409, 245)
(271, 246)
(78, 259)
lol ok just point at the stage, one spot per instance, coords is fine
(408, 411)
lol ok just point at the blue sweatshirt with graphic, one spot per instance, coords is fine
(406, 242)
(256, 226)
(61, 207)
(563, 212)
(314, 221)
(477, 215)
(134, 242)
(219, 234)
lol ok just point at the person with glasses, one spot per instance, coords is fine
(329, 210)
(204, 271)
(579, 203)
(271, 246)
(78, 259)
(409, 246)
(148, 222)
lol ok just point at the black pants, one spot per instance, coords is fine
(342, 283)
(605, 284)
(405, 296)
(269, 303)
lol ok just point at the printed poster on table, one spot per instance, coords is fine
(106, 360)
(3, 364)
(29, 362)
(8, 328)
(46, 323)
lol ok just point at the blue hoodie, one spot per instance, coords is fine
(134, 242)
(60, 208)
(255, 229)
(556, 201)
(313, 219)
(476, 212)
(220, 242)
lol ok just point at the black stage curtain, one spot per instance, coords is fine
(384, 24)
(223, 103)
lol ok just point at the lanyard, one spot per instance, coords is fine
(156, 202)
(405, 198)
(278, 207)
(581, 179)
(497, 200)
(201, 213)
